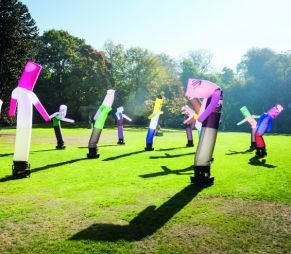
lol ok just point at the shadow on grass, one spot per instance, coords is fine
(146, 223)
(123, 155)
(167, 171)
(168, 156)
(33, 170)
(170, 149)
(46, 150)
(83, 147)
(255, 161)
(6, 154)
(239, 152)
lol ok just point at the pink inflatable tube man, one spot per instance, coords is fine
(265, 125)
(23, 98)
(209, 117)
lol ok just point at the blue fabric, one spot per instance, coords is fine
(265, 123)
(150, 136)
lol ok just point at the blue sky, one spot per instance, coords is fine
(227, 28)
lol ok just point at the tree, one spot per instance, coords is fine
(188, 70)
(74, 73)
(227, 76)
(18, 43)
(201, 59)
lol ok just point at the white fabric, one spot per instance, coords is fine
(154, 122)
(25, 100)
(109, 98)
(126, 117)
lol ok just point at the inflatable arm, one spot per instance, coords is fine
(53, 115)
(212, 105)
(192, 116)
(68, 120)
(12, 108)
(40, 108)
(155, 114)
(126, 117)
(242, 121)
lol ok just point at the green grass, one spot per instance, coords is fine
(131, 201)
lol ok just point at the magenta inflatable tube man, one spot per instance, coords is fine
(23, 98)
(209, 117)
(265, 125)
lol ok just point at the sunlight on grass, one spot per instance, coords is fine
(132, 201)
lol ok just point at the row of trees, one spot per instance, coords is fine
(78, 75)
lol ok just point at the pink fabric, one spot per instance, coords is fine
(212, 105)
(275, 111)
(251, 120)
(12, 108)
(200, 88)
(42, 111)
(29, 75)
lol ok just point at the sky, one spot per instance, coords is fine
(226, 28)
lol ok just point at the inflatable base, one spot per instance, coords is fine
(190, 143)
(202, 176)
(20, 169)
(93, 153)
(253, 146)
(149, 147)
(202, 181)
(60, 147)
(120, 142)
(261, 152)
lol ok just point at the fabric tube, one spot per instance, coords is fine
(59, 135)
(151, 129)
(22, 143)
(253, 135)
(120, 128)
(150, 136)
(260, 142)
(203, 156)
(95, 136)
(189, 132)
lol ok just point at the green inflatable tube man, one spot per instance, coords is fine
(100, 118)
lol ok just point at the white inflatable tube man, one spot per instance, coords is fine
(57, 117)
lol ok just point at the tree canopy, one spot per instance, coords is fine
(76, 74)
(18, 42)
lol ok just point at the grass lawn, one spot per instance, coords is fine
(132, 201)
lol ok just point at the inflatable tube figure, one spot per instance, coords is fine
(209, 117)
(189, 119)
(57, 118)
(265, 125)
(253, 123)
(23, 98)
(154, 123)
(1, 103)
(100, 118)
(120, 116)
